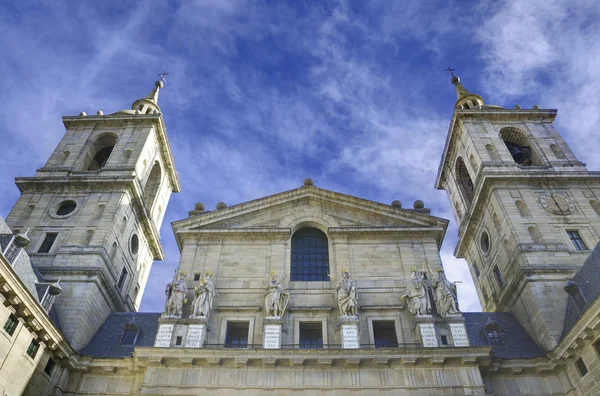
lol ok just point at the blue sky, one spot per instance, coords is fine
(262, 94)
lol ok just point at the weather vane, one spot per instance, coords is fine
(162, 76)
(449, 69)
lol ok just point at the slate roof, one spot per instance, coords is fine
(588, 280)
(515, 341)
(106, 343)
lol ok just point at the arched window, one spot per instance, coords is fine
(100, 151)
(152, 185)
(519, 147)
(465, 184)
(310, 255)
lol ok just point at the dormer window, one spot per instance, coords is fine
(130, 334)
(492, 332)
(573, 289)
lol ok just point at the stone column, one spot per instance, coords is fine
(426, 330)
(166, 325)
(196, 332)
(349, 329)
(272, 332)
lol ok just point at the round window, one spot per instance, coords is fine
(134, 244)
(66, 207)
(485, 242)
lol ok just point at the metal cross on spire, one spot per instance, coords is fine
(451, 70)
(162, 76)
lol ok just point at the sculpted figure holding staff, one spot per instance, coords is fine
(346, 293)
(276, 299)
(416, 294)
(446, 300)
(204, 297)
(176, 292)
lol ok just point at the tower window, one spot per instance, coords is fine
(100, 152)
(48, 242)
(484, 242)
(66, 207)
(311, 335)
(576, 240)
(310, 255)
(499, 278)
(384, 335)
(463, 179)
(152, 185)
(518, 146)
(134, 244)
(33, 348)
(11, 324)
(237, 335)
(49, 366)
(122, 279)
(581, 367)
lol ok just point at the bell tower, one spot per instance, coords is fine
(528, 211)
(94, 211)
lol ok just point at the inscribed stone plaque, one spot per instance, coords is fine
(272, 337)
(428, 335)
(459, 334)
(350, 336)
(195, 336)
(163, 337)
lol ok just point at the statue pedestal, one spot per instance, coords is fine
(426, 330)
(272, 332)
(166, 325)
(196, 332)
(349, 328)
(458, 330)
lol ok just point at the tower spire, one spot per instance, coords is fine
(149, 104)
(466, 100)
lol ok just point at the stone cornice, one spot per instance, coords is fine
(135, 119)
(15, 294)
(87, 183)
(489, 115)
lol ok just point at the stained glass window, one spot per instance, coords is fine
(310, 255)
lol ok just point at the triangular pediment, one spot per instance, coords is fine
(309, 204)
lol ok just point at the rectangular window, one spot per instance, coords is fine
(493, 337)
(384, 335)
(499, 277)
(444, 340)
(237, 335)
(33, 348)
(11, 324)
(48, 242)
(178, 340)
(49, 366)
(581, 367)
(196, 277)
(311, 335)
(122, 279)
(576, 240)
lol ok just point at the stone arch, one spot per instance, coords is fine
(100, 151)
(152, 185)
(522, 208)
(519, 146)
(464, 181)
(535, 234)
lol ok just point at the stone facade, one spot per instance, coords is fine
(513, 220)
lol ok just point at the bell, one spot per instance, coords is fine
(518, 155)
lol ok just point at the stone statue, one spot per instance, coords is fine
(346, 294)
(203, 297)
(416, 292)
(445, 297)
(276, 298)
(176, 292)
